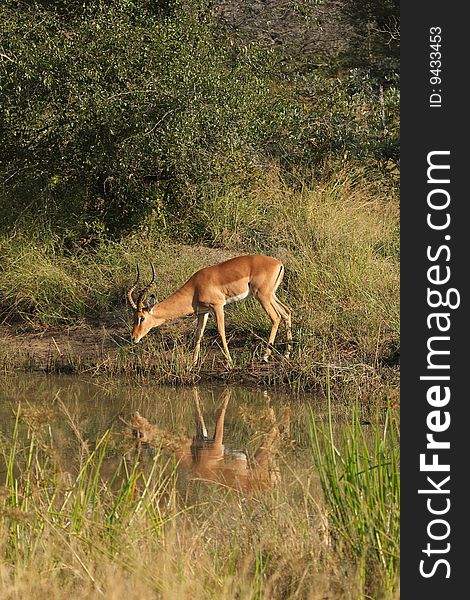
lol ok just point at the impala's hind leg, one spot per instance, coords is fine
(274, 314)
(287, 316)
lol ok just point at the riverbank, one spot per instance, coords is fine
(104, 351)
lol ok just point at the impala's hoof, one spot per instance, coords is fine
(265, 358)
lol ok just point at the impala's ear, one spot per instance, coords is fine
(151, 302)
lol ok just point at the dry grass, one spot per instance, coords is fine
(126, 526)
(340, 245)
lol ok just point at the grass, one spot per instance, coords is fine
(117, 524)
(42, 283)
(339, 242)
(360, 480)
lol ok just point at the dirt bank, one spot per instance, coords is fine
(105, 348)
(89, 342)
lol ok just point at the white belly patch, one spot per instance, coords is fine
(239, 297)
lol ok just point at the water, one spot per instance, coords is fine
(212, 479)
(242, 437)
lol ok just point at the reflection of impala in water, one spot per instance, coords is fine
(208, 459)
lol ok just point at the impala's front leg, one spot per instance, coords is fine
(219, 317)
(201, 429)
(201, 325)
(219, 426)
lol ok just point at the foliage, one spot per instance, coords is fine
(360, 479)
(119, 114)
(113, 99)
(330, 36)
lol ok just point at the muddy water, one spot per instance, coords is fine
(238, 436)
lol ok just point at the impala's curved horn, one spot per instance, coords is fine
(141, 297)
(130, 292)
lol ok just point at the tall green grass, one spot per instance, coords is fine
(359, 474)
(42, 282)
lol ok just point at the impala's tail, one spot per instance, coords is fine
(279, 277)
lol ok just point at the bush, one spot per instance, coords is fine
(119, 113)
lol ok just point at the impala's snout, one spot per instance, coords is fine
(136, 334)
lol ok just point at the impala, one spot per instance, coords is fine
(206, 457)
(208, 291)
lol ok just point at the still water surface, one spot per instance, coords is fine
(237, 436)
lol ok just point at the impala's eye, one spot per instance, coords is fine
(142, 319)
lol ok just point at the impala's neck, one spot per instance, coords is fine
(179, 304)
